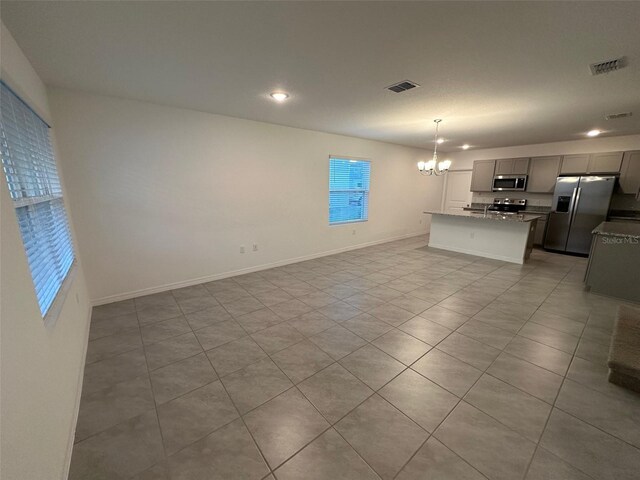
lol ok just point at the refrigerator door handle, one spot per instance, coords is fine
(574, 204)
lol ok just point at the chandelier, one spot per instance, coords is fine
(433, 167)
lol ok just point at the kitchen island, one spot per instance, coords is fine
(496, 235)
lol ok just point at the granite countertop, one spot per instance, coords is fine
(618, 229)
(514, 217)
(538, 212)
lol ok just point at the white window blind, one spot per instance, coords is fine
(348, 190)
(32, 177)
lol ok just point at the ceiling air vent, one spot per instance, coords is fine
(615, 116)
(402, 86)
(607, 66)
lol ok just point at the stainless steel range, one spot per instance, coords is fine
(507, 205)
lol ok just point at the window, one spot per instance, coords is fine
(348, 190)
(32, 177)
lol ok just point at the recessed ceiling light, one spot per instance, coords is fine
(593, 133)
(465, 147)
(440, 140)
(279, 96)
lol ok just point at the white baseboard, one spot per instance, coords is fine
(76, 410)
(219, 276)
(477, 253)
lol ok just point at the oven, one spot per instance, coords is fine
(504, 183)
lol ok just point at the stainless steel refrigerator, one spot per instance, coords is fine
(580, 204)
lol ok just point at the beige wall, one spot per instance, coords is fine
(41, 365)
(164, 197)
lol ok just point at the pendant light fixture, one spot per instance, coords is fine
(433, 167)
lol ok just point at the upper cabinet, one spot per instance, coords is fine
(520, 166)
(543, 172)
(575, 164)
(630, 173)
(605, 162)
(594, 163)
(482, 177)
(512, 166)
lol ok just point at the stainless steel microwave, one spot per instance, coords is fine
(502, 183)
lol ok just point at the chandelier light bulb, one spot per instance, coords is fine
(444, 165)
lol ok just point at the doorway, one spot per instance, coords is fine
(457, 191)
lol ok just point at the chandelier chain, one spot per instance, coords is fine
(435, 141)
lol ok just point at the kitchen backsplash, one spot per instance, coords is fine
(619, 201)
(533, 199)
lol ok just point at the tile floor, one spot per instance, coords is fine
(393, 361)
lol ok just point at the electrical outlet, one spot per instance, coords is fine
(241, 248)
(255, 247)
(420, 222)
(353, 232)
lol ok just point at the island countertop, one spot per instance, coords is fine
(499, 216)
(618, 229)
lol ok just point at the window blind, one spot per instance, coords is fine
(348, 190)
(29, 168)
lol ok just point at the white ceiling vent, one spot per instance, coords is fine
(607, 66)
(615, 116)
(402, 86)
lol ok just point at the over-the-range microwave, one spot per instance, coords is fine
(502, 183)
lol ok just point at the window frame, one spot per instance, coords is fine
(367, 191)
(53, 304)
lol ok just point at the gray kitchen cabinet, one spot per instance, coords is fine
(594, 163)
(575, 164)
(512, 166)
(541, 227)
(630, 173)
(605, 162)
(482, 176)
(543, 172)
(504, 166)
(520, 166)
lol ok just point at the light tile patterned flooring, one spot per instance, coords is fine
(393, 361)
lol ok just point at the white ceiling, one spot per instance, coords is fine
(499, 74)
